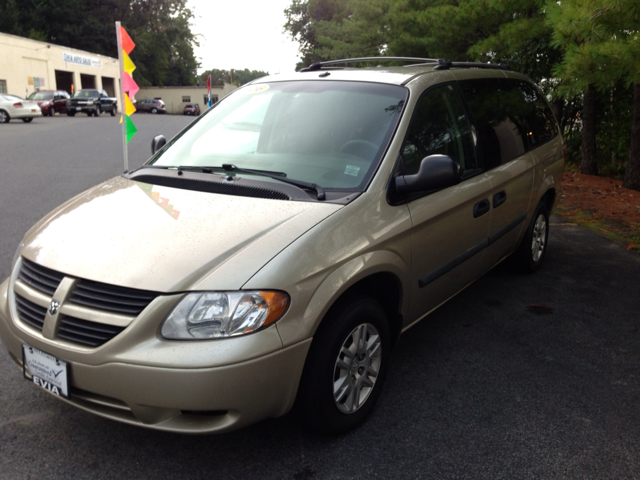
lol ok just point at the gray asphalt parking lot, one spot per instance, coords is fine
(517, 377)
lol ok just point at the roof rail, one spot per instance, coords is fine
(318, 65)
(447, 64)
(442, 64)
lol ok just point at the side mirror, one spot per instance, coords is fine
(157, 143)
(436, 172)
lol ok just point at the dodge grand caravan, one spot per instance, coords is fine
(274, 251)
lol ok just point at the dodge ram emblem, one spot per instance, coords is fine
(53, 307)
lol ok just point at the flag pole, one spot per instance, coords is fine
(122, 101)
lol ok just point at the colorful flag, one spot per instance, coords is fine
(128, 86)
(130, 128)
(129, 67)
(127, 43)
(209, 89)
(128, 106)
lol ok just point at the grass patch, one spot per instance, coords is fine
(615, 231)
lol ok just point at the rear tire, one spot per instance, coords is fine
(154, 110)
(530, 254)
(27, 120)
(4, 117)
(345, 367)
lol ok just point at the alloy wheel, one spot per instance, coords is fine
(357, 367)
(539, 238)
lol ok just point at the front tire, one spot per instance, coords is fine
(345, 367)
(71, 114)
(530, 254)
(97, 112)
(113, 111)
(52, 112)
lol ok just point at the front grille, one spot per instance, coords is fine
(30, 313)
(41, 278)
(101, 296)
(85, 332)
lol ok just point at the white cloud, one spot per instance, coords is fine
(243, 34)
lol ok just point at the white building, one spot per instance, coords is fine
(175, 98)
(28, 65)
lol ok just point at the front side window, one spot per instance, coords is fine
(330, 133)
(439, 127)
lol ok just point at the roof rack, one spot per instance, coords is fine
(441, 63)
(447, 64)
(318, 65)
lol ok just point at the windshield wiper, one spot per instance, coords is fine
(229, 167)
(320, 194)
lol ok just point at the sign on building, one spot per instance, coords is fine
(81, 60)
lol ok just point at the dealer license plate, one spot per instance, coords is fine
(45, 370)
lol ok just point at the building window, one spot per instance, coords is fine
(3, 86)
(214, 99)
(186, 99)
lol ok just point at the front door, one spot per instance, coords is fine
(451, 226)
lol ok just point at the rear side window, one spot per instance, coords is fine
(539, 115)
(439, 126)
(511, 118)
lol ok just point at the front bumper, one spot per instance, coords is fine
(166, 385)
(81, 108)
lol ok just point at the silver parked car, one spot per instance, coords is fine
(274, 251)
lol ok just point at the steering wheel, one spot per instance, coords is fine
(360, 148)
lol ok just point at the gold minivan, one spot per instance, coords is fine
(274, 251)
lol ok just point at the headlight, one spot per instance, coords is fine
(44, 104)
(207, 315)
(90, 102)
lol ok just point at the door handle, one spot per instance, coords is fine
(481, 208)
(499, 198)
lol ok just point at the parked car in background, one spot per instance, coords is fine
(16, 107)
(92, 102)
(151, 105)
(191, 109)
(51, 101)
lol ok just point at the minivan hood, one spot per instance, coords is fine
(166, 239)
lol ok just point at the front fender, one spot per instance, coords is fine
(334, 285)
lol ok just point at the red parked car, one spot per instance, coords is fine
(50, 101)
(191, 109)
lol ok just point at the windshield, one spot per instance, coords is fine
(324, 132)
(41, 96)
(86, 94)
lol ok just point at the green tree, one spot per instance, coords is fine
(160, 28)
(600, 39)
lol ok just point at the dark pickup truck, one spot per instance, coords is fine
(91, 102)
